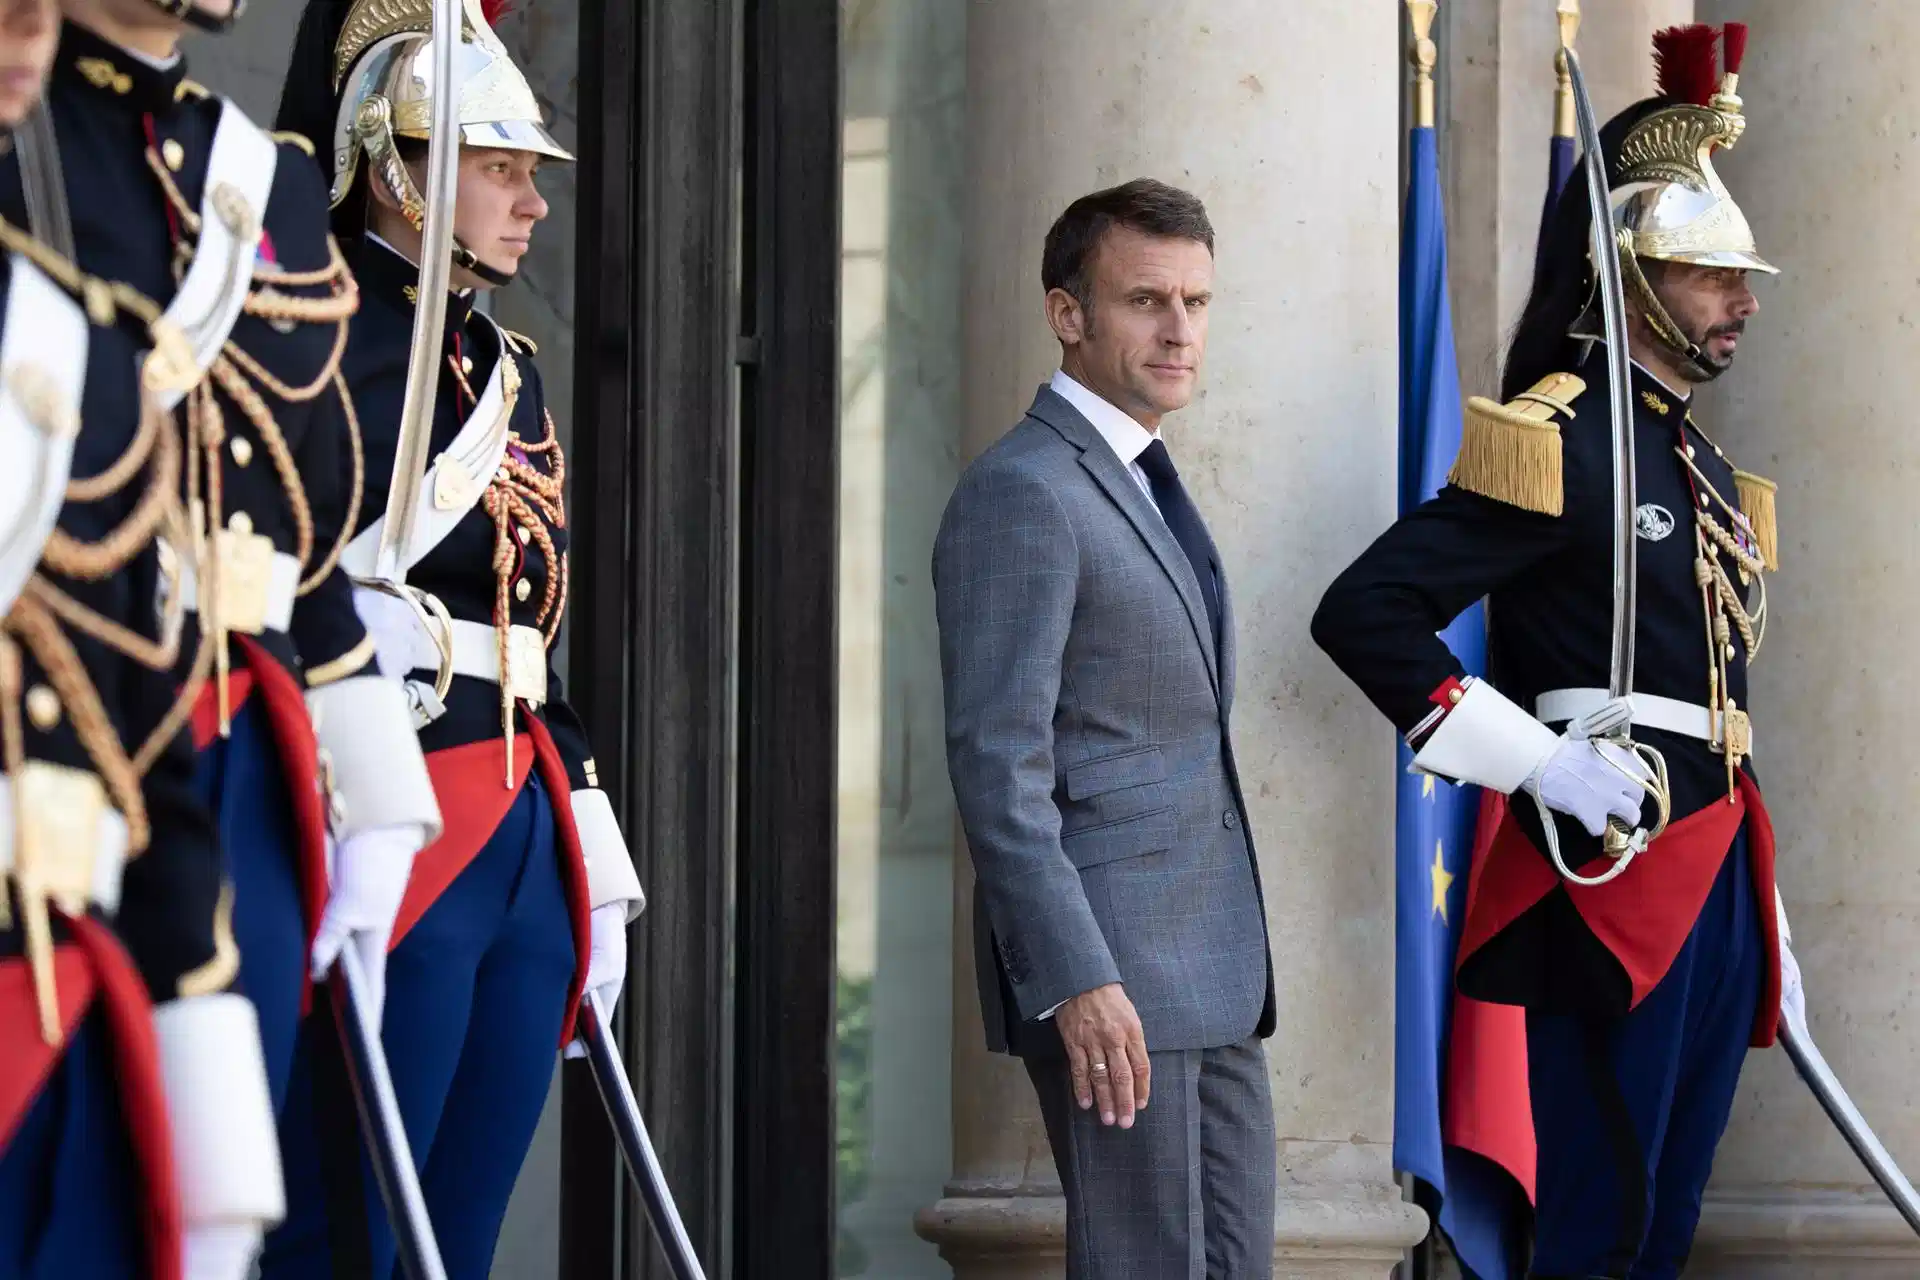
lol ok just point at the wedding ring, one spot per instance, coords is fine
(1099, 1068)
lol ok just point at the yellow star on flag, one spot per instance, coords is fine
(1442, 881)
(1426, 786)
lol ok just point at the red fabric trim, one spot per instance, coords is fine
(1486, 1103)
(206, 708)
(1760, 855)
(573, 865)
(292, 727)
(470, 784)
(1449, 693)
(143, 1097)
(29, 1059)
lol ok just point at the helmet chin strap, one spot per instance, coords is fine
(190, 12)
(386, 168)
(1689, 360)
(468, 260)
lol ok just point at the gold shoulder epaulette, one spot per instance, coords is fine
(1758, 505)
(521, 342)
(1511, 452)
(190, 89)
(299, 140)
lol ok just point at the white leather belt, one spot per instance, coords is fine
(476, 653)
(283, 583)
(1649, 710)
(79, 841)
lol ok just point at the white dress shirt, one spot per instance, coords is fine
(1127, 438)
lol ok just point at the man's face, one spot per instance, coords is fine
(496, 204)
(1710, 304)
(1141, 343)
(29, 36)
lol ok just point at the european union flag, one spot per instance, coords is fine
(1435, 821)
(1559, 169)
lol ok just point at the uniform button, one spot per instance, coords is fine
(1230, 820)
(1732, 653)
(240, 522)
(521, 590)
(1703, 500)
(242, 451)
(1689, 451)
(526, 535)
(43, 708)
(466, 364)
(174, 154)
(1454, 695)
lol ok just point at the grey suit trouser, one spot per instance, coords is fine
(1187, 1193)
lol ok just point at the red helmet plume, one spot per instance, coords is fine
(1685, 62)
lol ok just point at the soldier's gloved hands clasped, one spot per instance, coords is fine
(606, 961)
(402, 643)
(1590, 782)
(370, 871)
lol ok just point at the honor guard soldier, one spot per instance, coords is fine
(1646, 977)
(175, 191)
(527, 898)
(136, 1129)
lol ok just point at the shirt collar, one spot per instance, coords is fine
(118, 74)
(1123, 435)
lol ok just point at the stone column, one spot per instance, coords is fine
(1497, 83)
(1284, 118)
(1829, 175)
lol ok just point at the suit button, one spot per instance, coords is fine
(1230, 820)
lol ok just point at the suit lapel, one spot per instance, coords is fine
(1112, 475)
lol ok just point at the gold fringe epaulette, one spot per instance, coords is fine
(1511, 452)
(299, 140)
(1758, 505)
(520, 342)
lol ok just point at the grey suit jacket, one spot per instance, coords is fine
(1087, 738)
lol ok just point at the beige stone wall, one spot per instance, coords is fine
(1829, 175)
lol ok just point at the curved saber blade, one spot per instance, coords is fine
(380, 1124)
(1846, 1117)
(1613, 312)
(617, 1093)
(430, 311)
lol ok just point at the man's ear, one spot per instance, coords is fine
(1066, 317)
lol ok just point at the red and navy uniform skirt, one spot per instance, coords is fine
(1629, 1109)
(484, 980)
(87, 1182)
(261, 782)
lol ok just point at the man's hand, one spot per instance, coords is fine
(1107, 1053)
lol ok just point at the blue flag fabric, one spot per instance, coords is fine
(1559, 169)
(1434, 820)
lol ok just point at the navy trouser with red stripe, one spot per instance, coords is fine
(1627, 1112)
(242, 781)
(70, 1190)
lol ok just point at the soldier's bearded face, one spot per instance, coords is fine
(1140, 344)
(497, 205)
(1710, 304)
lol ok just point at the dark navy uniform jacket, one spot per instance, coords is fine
(108, 107)
(460, 569)
(170, 893)
(1548, 583)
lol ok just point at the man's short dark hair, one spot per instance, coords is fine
(1144, 205)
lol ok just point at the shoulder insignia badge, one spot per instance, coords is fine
(1758, 499)
(1511, 452)
(291, 138)
(102, 74)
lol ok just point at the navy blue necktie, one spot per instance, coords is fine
(1183, 521)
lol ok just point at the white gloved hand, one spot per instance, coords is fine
(1580, 779)
(606, 961)
(399, 637)
(370, 871)
(1793, 996)
(220, 1250)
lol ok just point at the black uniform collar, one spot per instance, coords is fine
(107, 71)
(1653, 396)
(386, 273)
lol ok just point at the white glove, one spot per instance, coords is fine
(606, 961)
(400, 639)
(1793, 997)
(370, 873)
(220, 1250)
(1580, 778)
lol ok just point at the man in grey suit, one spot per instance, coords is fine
(1086, 643)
